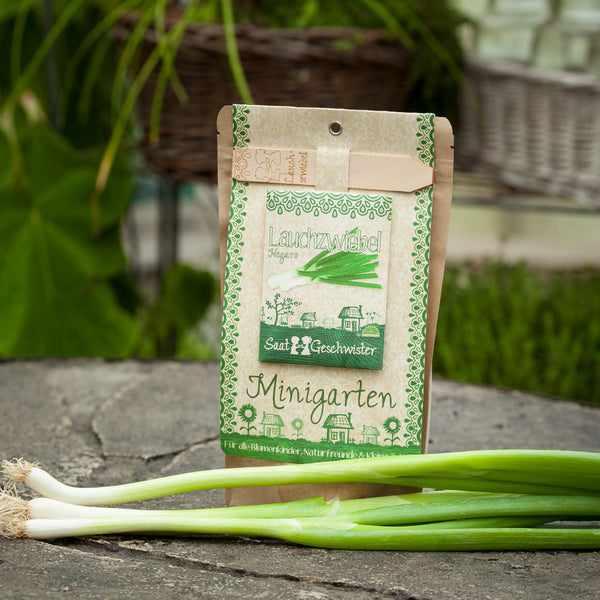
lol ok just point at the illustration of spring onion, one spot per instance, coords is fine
(340, 268)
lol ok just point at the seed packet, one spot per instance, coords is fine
(333, 232)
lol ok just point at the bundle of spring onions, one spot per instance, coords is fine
(339, 268)
(495, 500)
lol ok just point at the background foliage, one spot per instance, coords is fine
(65, 289)
(55, 287)
(515, 327)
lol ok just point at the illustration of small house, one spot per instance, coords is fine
(309, 319)
(328, 323)
(338, 428)
(272, 425)
(370, 435)
(351, 317)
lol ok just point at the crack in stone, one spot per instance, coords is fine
(140, 402)
(129, 385)
(167, 457)
(147, 548)
(173, 455)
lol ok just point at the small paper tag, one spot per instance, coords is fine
(325, 279)
(274, 165)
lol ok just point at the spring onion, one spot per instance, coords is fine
(497, 500)
(333, 524)
(338, 268)
(509, 471)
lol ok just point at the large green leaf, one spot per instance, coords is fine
(47, 157)
(55, 260)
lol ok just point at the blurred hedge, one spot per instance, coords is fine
(513, 326)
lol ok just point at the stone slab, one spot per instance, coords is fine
(99, 422)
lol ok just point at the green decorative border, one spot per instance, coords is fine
(418, 285)
(231, 305)
(233, 275)
(241, 127)
(425, 123)
(330, 203)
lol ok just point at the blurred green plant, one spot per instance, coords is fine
(64, 289)
(55, 273)
(65, 187)
(515, 327)
(183, 300)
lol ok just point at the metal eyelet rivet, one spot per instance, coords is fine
(335, 128)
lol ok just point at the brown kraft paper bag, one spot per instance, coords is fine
(363, 176)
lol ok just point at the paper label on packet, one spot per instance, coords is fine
(326, 258)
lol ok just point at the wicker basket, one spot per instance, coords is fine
(534, 130)
(283, 67)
